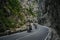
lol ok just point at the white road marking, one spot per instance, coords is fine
(12, 34)
(48, 33)
(27, 35)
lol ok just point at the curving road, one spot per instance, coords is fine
(37, 34)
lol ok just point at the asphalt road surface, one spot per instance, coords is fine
(36, 34)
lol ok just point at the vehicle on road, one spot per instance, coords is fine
(29, 28)
(35, 25)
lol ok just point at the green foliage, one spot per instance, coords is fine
(12, 8)
(30, 11)
(10, 13)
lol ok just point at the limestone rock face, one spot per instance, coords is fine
(51, 14)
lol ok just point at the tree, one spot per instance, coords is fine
(12, 14)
